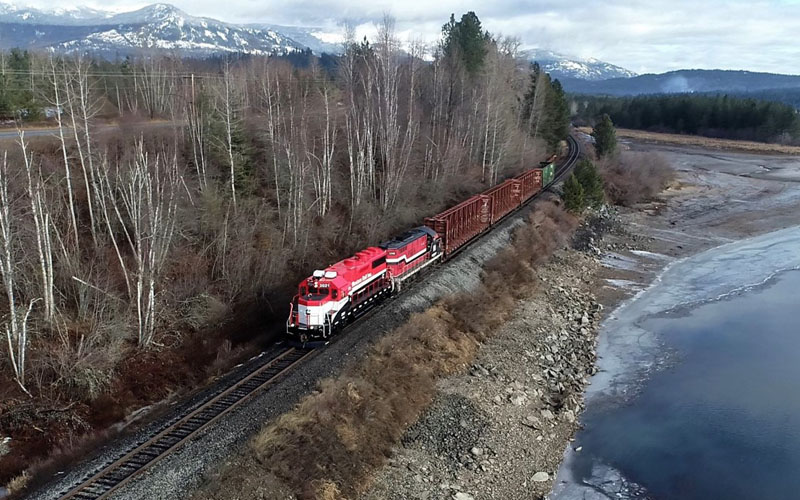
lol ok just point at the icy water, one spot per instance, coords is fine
(699, 397)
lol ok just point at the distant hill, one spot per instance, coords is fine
(565, 67)
(685, 81)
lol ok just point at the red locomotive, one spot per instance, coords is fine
(331, 297)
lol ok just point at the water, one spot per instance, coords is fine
(699, 397)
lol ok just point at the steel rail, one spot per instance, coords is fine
(105, 480)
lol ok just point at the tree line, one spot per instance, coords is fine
(720, 116)
(226, 181)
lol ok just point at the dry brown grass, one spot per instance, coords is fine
(706, 142)
(331, 443)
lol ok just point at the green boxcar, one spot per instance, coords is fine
(548, 171)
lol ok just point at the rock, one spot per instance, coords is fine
(479, 371)
(463, 496)
(519, 399)
(584, 319)
(547, 415)
(476, 451)
(540, 477)
(570, 416)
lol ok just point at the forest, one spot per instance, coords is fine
(155, 239)
(719, 116)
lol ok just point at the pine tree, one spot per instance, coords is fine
(591, 182)
(573, 195)
(605, 137)
(466, 41)
(557, 115)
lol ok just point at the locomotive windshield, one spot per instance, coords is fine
(314, 292)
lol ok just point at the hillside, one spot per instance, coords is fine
(684, 81)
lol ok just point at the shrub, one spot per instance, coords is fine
(635, 177)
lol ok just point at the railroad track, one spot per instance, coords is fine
(104, 480)
(574, 154)
(107, 478)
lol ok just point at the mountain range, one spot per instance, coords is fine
(157, 26)
(163, 26)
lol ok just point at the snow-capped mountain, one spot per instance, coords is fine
(68, 16)
(561, 66)
(318, 40)
(158, 26)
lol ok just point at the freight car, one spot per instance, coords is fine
(336, 295)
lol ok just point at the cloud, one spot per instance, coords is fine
(644, 36)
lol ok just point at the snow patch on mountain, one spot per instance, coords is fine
(562, 66)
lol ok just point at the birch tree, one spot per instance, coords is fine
(43, 227)
(228, 109)
(57, 78)
(15, 325)
(148, 192)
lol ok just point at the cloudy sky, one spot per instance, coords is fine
(641, 35)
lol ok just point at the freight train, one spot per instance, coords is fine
(336, 295)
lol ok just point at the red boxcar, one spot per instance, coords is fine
(531, 183)
(505, 198)
(461, 223)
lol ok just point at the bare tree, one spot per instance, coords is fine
(148, 191)
(228, 108)
(358, 75)
(396, 138)
(16, 327)
(82, 109)
(42, 223)
(58, 74)
(196, 118)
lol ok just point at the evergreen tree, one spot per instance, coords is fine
(605, 137)
(556, 110)
(16, 92)
(573, 195)
(591, 182)
(466, 41)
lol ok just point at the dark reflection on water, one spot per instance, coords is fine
(724, 422)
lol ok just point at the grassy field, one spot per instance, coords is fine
(707, 142)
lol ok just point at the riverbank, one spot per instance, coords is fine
(513, 447)
(722, 322)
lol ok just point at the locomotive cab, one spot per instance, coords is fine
(316, 304)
